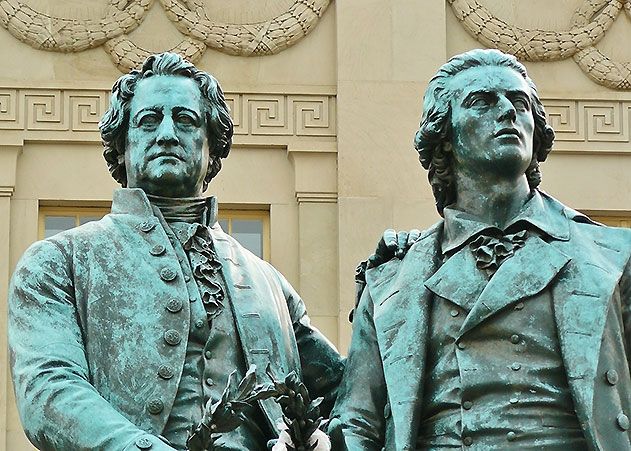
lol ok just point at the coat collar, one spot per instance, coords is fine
(134, 201)
(539, 212)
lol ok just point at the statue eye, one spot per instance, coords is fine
(479, 101)
(185, 119)
(521, 104)
(149, 120)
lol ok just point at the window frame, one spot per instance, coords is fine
(228, 214)
(608, 217)
(263, 215)
(76, 211)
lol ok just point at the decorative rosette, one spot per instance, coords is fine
(490, 252)
(206, 267)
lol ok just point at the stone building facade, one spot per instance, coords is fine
(326, 98)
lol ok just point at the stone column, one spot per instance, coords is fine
(387, 52)
(8, 163)
(315, 170)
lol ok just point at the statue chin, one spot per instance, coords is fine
(169, 184)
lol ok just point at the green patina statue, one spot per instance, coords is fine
(123, 332)
(507, 325)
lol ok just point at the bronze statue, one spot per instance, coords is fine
(507, 325)
(122, 330)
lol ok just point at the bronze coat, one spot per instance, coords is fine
(87, 324)
(589, 274)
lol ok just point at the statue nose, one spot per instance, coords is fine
(507, 110)
(166, 133)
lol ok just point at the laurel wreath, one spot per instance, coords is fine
(587, 27)
(47, 32)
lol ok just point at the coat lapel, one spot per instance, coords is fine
(401, 318)
(525, 274)
(458, 280)
(255, 317)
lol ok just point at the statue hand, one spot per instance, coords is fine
(393, 245)
(319, 441)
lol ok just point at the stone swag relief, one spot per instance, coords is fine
(506, 325)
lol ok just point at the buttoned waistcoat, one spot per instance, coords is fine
(96, 311)
(589, 275)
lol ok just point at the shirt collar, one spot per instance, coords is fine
(539, 212)
(134, 201)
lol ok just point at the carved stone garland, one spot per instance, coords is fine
(588, 26)
(46, 32)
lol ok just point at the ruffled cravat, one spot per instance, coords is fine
(189, 219)
(490, 251)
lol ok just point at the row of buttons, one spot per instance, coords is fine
(622, 420)
(172, 337)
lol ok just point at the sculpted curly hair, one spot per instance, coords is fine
(435, 128)
(115, 122)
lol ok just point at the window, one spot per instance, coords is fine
(53, 220)
(248, 227)
(613, 219)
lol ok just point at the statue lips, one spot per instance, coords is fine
(508, 132)
(166, 154)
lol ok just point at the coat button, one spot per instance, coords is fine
(514, 339)
(516, 366)
(623, 421)
(158, 249)
(172, 337)
(386, 411)
(167, 274)
(143, 443)
(155, 406)
(467, 405)
(146, 226)
(612, 377)
(208, 354)
(174, 305)
(467, 441)
(165, 372)
(510, 436)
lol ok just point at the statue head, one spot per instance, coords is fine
(456, 109)
(167, 128)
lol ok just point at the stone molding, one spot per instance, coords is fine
(6, 191)
(586, 28)
(316, 197)
(111, 30)
(73, 115)
(595, 126)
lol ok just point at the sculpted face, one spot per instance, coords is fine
(167, 150)
(492, 122)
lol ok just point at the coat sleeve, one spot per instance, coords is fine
(321, 364)
(358, 421)
(59, 408)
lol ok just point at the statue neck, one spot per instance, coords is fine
(180, 209)
(496, 202)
